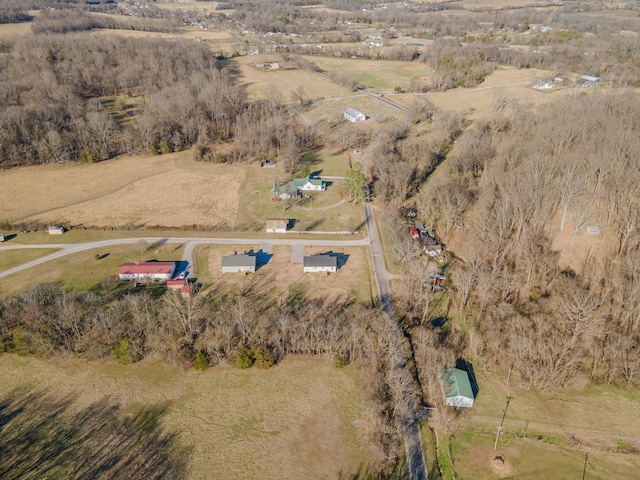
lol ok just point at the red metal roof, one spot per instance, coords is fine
(176, 283)
(146, 268)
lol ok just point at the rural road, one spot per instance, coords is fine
(402, 384)
(190, 243)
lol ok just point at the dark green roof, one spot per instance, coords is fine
(459, 384)
(300, 182)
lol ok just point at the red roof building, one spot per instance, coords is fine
(176, 284)
(146, 270)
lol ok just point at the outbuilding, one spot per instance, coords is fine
(458, 391)
(146, 270)
(320, 263)
(55, 229)
(238, 263)
(589, 81)
(277, 225)
(354, 115)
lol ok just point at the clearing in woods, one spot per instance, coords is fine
(300, 419)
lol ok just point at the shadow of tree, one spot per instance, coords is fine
(43, 435)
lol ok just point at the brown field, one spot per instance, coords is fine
(559, 427)
(82, 271)
(300, 419)
(281, 277)
(332, 110)
(12, 29)
(259, 82)
(168, 190)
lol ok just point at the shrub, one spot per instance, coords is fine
(165, 146)
(122, 351)
(201, 362)
(244, 358)
(153, 149)
(262, 357)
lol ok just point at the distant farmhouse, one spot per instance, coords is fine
(543, 84)
(321, 263)
(309, 184)
(285, 192)
(278, 225)
(146, 270)
(238, 263)
(589, 81)
(458, 389)
(354, 115)
(55, 229)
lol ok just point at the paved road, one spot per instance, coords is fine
(190, 243)
(402, 385)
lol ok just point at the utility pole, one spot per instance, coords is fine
(584, 469)
(504, 414)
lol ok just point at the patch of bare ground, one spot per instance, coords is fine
(300, 419)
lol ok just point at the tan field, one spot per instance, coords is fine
(12, 29)
(259, 82)
(169, 190)
(282, 277)
(299, 419)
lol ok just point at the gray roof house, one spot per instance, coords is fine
(354, 115)
(285, 192)
(320, 263)
(238, 263)
(458, 388)
(589, 81)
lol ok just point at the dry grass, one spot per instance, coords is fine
(259, 82)
(167, 190)
(332, 110)
(300, 419)
(81, 270)
(9, 30)
(560, 426)
(281, 277)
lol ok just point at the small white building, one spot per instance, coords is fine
(321, 263)
(589, 81)
(278, 225)
(309, 184)
(55, 229)
(354, 115)
(543, 84)
(458, 391)
(1, 237)
(238, 263)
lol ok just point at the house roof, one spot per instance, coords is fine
(320, 260)
(352, 112)
(300, 182)
(176, 283)
(459, 384)
(146, 268)
(290, 189)
(589, 78)
(277, 223)
(241, 260)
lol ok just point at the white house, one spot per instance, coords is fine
(241, 263)
(309, 184)
(320, 263)
(277, 225)
(589, 81)
(354, 115)
(55, 229)
(146, 270)
(543, 84)
(458, 391)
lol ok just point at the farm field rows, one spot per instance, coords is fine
(300, 419)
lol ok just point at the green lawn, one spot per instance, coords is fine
(82, 271)
(11, 258)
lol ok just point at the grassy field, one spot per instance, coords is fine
(81, 270)
(281, 277)
(166, 190)
(548, 434)
(11, 258)
(9, 30)
(259, 81)
(300, 419)
(374, 74)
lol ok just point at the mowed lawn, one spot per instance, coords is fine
(299, 419)
(282, 278)
(134, 191)
(547, 435)
(11, 258)
(82, 270)
(375, 74)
